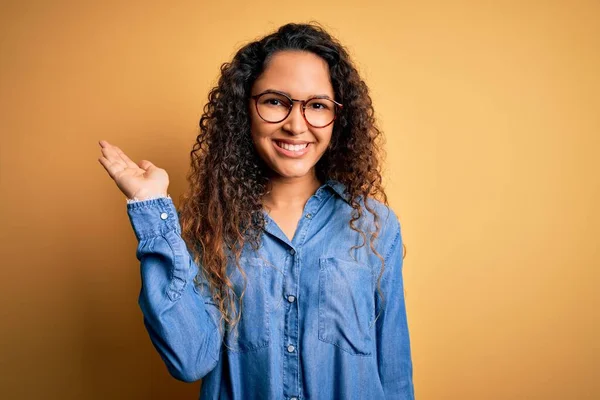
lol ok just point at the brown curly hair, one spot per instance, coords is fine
(222, 208)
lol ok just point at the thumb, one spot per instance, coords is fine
(146, 165)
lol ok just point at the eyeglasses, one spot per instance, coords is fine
(318, 111)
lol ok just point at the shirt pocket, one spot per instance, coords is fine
(346, 305)
(253, 328)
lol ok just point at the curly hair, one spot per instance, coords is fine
(221, 210)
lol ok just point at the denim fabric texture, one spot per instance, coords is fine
(308, 328)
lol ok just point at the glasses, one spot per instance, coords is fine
(318, 111)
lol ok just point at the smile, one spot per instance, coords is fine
(291, 150)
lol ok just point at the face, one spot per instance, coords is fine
(300, 75)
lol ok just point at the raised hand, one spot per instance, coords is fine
(141, 180)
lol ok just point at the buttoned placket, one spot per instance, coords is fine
(291, 357)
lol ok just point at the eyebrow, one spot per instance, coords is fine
(286, 93)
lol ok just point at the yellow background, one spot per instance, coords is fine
(491, 112)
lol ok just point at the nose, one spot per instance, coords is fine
(295, 122)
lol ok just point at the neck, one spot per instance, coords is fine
(294, 192)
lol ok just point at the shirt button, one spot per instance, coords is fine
(290, 349)
(164, 216)
(309, 215)
(293, 398)
(292, 251)
(291, 298)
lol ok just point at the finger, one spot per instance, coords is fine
(111, 154)
(111, 167)
(126, 159)
(104, 143)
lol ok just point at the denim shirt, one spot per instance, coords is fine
(308, 327)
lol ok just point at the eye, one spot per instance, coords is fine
(319, 105)
(274, 101)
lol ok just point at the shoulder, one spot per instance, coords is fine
(383, 212)
(374, 213)
(382, 216)
(390, 227)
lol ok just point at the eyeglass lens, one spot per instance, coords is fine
(273, 107)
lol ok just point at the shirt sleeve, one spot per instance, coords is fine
(393, 341)
(136, 200)
(181, 320)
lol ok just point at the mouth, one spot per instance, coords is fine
(293, 151)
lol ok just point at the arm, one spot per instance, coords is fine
(181, 323)
(393, 341)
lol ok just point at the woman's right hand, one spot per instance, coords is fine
(135, 181)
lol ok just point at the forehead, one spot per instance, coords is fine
(299, 73)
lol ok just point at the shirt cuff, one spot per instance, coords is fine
(136, 200)
(153, 217)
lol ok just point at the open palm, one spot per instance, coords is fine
(141, 180)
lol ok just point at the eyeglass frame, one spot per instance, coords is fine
(303, 106)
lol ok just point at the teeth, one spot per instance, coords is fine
(290, 147)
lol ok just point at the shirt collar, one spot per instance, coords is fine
(339, 188)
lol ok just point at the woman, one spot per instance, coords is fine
(300, 291)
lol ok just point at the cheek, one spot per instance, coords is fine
(255, 121)
(260, 132)
(325, 138)
(257, 129)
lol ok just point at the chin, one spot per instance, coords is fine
(291, 172)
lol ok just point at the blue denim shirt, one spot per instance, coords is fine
(308, 328)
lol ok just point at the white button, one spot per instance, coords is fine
(164, 215)
(291, 348)
(293, 398)
(309, 215)
(291, 298)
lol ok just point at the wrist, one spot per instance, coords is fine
(144, 195)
